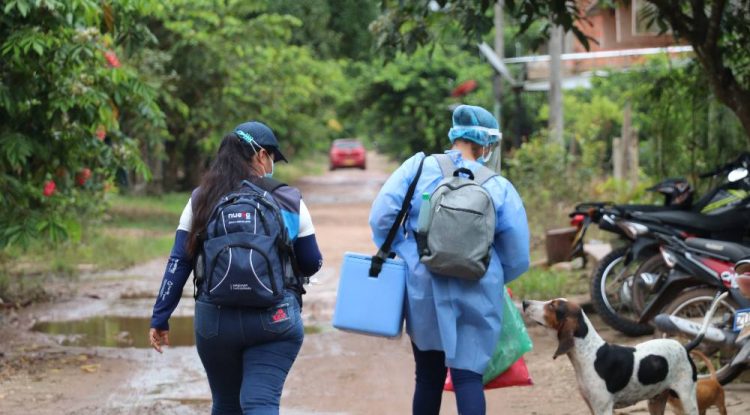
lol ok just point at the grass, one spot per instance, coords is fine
(312, 165)
(133, 230)
(540, 283)
(152, 213)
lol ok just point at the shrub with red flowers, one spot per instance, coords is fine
(83, 176)
(59, 100)
(49, 188)
(112, 59)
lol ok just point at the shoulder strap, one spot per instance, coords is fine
(446, 164)
(483, 174)
(379, 258)
(447, 167)
(268, 184)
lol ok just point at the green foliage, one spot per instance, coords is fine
(683, 130)
(719, 32)
(214, 79)
(331, 28)
(407, 102)
(62, 89)
(406, 25)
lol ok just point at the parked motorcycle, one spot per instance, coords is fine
(722, 213)
(716, 317)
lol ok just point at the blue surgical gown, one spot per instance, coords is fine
(461, 318)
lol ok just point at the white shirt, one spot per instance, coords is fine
(305, 220)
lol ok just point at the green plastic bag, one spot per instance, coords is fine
(514, 341)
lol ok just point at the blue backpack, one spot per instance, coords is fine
(246, 255)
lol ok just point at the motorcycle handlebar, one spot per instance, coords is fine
(742, 161)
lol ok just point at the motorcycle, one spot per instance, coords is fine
(723, 309)
(614, 294)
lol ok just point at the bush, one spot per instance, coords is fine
(62, 88)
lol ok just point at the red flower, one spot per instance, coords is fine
(464, 88)
(101, 133)
(49, 188)
(112, 59)
(83, 176)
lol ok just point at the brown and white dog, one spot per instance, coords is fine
(611, 376)
(708, 391)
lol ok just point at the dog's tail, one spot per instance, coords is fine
(707, 361)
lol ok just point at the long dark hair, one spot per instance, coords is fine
(232, 165)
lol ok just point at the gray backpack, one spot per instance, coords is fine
(461, 224)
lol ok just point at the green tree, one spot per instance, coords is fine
(407, 102)
(63, 89)
(718, 30)
(332, 28)
(231, 61)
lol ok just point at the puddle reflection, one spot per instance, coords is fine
(114, 331)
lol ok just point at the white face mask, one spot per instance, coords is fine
(269, 175)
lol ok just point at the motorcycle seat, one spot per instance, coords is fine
(697, 223)
(730, 250)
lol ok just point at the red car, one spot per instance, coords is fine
(347, 152)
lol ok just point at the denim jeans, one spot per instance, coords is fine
(430, 379)
(247, 353)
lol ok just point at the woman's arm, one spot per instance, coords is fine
(178, 269)
(511, 233)
(388, 203)
(309, 258)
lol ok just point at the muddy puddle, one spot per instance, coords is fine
(119, 331)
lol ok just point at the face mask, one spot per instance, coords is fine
(269, 175)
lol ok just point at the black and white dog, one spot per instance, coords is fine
(611, 376)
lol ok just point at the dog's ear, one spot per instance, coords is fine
(570, 324)
(565, 336)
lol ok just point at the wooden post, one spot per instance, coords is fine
(618, 158)
(555, 85)
(633, 158)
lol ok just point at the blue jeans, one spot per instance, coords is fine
(431, 373)
(247, 353)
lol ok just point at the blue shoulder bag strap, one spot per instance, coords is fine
(376, 265)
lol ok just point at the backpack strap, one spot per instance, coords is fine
(384, 251)
(481, 176)
(446, 164)
(268, 184)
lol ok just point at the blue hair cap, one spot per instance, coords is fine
(474, 124)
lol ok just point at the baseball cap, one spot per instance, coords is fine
(257, 132)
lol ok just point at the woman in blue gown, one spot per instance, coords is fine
(455, 323)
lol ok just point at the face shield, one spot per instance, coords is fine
(491, 153)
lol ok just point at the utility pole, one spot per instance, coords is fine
(497, 81)
(555, 85)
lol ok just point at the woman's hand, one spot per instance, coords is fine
(158, 337)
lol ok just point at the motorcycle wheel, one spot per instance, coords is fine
(693, 305)
(649, 278)
(611, 288)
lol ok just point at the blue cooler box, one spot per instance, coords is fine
(370, 305)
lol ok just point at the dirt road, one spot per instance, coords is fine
(336, 372)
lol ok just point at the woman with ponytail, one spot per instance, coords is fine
(247, 352)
